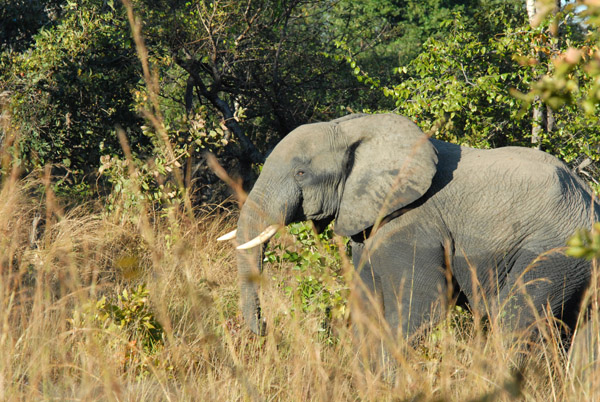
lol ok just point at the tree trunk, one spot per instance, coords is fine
(542, 117)
(531, 10)
(536, 123)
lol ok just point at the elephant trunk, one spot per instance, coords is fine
(265, 209)
(256, 225)
(249, 263)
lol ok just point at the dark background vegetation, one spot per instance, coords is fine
(233, 77)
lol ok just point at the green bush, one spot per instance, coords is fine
(318, 284)
(134, 332)
(70, 90)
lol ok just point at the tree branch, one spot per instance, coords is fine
(249, 149)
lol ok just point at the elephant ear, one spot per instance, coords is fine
(390, 164)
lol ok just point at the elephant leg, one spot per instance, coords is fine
(369, 278)
(370, 295)
(408, 266)
(550, 282)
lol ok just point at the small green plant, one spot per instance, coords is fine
(128, 316)
(139, 180)
(318, 285)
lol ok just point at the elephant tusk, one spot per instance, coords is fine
(228, 236)
(261, 238)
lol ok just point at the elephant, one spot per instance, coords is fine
(425, 217)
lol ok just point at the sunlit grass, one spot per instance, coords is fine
(57, 263)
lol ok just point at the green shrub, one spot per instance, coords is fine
(134, 332)
(73, 87)
(318, 284)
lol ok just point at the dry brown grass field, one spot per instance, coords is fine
(62, 338)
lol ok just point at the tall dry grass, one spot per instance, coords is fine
(55, 263)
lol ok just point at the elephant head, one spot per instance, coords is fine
(356, 170)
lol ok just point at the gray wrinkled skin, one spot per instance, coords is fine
(423, 214)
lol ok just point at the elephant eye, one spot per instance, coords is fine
(300, 173)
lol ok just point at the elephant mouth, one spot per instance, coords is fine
(321, 224)
(319, 221)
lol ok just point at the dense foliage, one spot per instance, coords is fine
(231, 77)
(72, 87)
(22, 19)
(468, 88)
